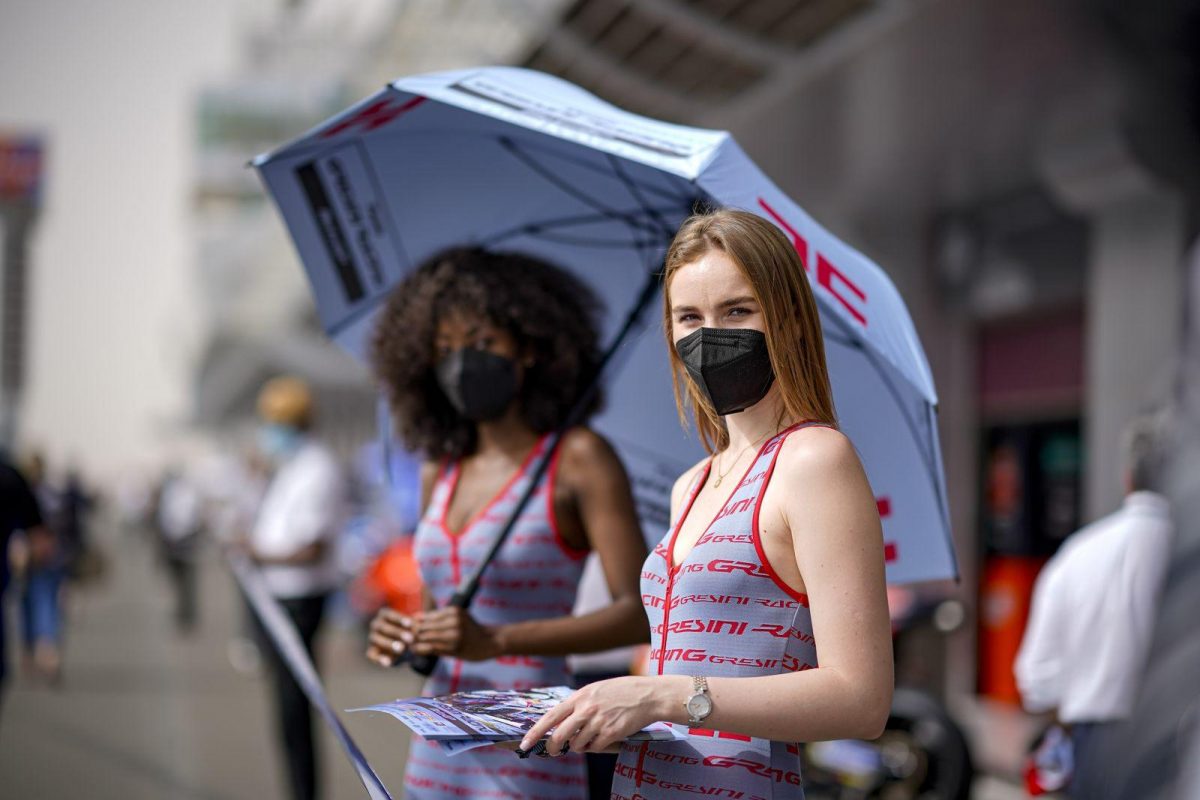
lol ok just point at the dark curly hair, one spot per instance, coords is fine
(550, 313)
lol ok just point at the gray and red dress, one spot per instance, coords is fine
(722, 612)
(534, 576)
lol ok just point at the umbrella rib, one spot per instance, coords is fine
(533, 229)
(632, 186)
(598, 244)
(571, 191)
(664, 193)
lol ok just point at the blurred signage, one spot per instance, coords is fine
(20, 169)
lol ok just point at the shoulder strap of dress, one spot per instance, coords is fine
(439, 497)
(771, 451)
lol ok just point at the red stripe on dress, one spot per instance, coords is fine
(552, 517)
(481, 513)
(799, 596)
(737, 737)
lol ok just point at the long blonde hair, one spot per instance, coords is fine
(793, 326)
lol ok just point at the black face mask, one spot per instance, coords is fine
(480, 385)
(730, 365)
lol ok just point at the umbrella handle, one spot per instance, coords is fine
(423, 665)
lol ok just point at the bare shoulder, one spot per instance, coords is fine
(685, 480)
(583, 448)
(827, 491)
(586, 457)
(429, 472)
(811, 453)
(429, 476)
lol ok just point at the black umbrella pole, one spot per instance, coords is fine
(465, 593)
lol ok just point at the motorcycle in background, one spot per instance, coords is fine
(922, 754)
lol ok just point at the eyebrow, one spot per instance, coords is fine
(472, 331)
(736, 301)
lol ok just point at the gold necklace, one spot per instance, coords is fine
(721, 475)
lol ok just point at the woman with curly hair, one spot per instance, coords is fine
(482, 356)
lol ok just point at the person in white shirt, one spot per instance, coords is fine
(293, 543)
(180, 526)
(1092, 614)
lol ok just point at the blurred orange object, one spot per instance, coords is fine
(639, 662)
(1004, 596)
(395, 577)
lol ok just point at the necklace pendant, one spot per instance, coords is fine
(717, 482)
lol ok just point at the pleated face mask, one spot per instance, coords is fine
(730, 365)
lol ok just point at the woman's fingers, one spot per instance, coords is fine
(394, 617)
(388, 628)
(444, 619)
(389, 635)
(581, 740)
(381, 657)
(563, 733)
(387, 644)
(390, 640)
(440, 645)
(446, 637)
(548, 721)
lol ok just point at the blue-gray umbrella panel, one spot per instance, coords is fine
(525, 162)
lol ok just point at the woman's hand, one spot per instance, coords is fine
(391, 635)
(447, 631)
(451, 631)
(599, 715)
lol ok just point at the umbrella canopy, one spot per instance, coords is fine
(513, 159)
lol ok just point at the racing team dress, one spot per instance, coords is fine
(534, 576)
(722, 612)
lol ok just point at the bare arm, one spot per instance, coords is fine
(838, 548)
(594, 475)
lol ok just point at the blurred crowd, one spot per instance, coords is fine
(46, 551)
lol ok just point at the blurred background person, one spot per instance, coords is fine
(76, 503)
(41, 587)
(234, 484)
(1155, 750)
(293, 542)
(1083, 655)
(19, 511)
(180, 524)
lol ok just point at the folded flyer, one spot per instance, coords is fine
(466, 720)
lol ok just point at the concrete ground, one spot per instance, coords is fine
(146, 713)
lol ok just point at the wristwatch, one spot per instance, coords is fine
(700, 704)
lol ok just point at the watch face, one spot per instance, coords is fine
(699, 706)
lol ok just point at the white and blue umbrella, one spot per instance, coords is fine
(512, 159)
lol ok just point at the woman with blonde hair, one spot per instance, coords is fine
(766, 599)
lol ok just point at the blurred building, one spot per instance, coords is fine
(309, 61)
(21, 160)
(1026, 172)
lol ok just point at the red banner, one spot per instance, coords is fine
(20, 168)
